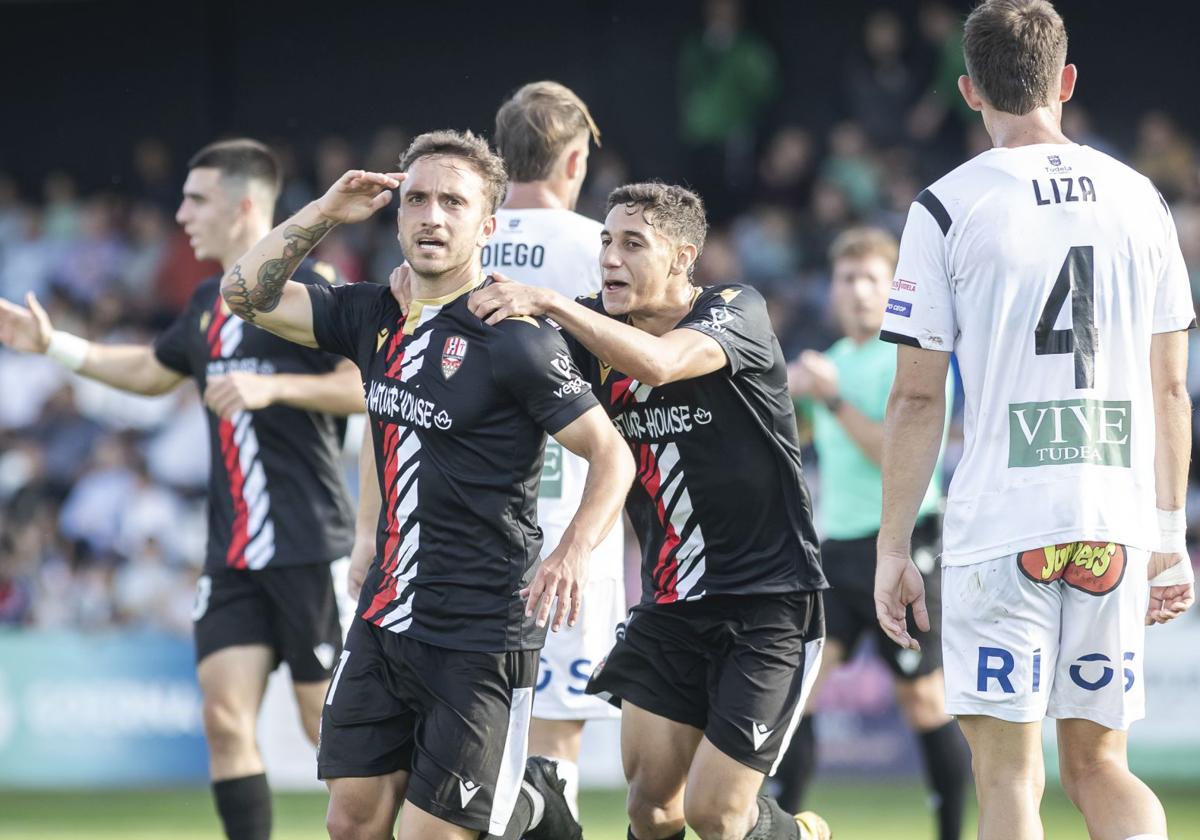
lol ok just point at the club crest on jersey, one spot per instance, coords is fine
(453, 352)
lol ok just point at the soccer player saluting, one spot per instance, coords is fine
(713, 666)
(845, 393)
(1054, 273)
(278, 508)
(431, 700)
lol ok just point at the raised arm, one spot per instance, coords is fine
(1171, 576)
(563, 574)
(912, 436)
(258, 287)
(129, 367)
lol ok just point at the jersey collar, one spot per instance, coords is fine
(418, 306)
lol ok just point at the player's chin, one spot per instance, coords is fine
(616, 299)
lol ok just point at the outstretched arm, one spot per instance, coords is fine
(655, 360)
(129, 367)
(563, 574)
(258, 287)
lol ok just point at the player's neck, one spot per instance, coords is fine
(1009, 131)
(433, 288)
(668, 312)
(539, 195)
(242, 244)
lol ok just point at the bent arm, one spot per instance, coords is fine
(912, 436)
(338, 392)
(259, 288)
(866, 433)
(655, 360)
(1172, 418)
(592, 437)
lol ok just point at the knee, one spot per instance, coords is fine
(992, 773)
(650, 814)
(712, 820)
(227, 727)
(1077, 771)
(345, 823)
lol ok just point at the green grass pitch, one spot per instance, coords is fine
(868, 811)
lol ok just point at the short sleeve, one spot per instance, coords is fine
(736, 317)
(1173, 307)
(920, 307)
(531, 361)
(345, 318)
(172, 345)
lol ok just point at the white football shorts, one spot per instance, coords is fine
(570, 655)
(1056, 631)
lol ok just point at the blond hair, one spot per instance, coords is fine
(534, 126)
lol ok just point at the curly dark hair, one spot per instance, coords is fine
(676, 212)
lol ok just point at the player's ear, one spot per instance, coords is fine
(971, 96)
(1070, 75)
(485, 232)
(575, 161)
(684, 257)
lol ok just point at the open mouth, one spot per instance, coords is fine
(430, 245)
(614, 285)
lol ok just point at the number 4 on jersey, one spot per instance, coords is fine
(1075, 277)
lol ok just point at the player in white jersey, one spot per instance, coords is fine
(1055, 275)
(543, 132)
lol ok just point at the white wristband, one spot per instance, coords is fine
(68, 350)
(1172, 529)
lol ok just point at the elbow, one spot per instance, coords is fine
(657, 372)
(915, 399)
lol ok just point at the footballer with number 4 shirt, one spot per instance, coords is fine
(430, 704)
(712, 667)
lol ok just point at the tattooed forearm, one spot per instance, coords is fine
(247, 301)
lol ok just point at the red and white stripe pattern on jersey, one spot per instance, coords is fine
(392, 606)
(680, 565)
(252, 534)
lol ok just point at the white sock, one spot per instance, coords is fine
(568, 771)
(538, 802)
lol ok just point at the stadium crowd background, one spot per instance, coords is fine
(102, 493)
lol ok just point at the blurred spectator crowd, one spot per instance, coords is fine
(102, 494)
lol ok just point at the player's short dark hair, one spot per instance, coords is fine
(241, 158)
(858, 243)
(534, 126)
(1015, 51)
(676, 212)
(471, 148)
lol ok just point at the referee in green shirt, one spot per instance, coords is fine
(843, 394)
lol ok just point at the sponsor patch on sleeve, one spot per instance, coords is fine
(899, 307)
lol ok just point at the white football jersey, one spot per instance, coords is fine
(560, 250)
(1046, 269)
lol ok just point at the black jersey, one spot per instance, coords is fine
(276, 493)
(720, 503)
(459, 413)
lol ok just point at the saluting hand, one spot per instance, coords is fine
(558, 582)
(506, 298)
(358, 194)
(898, 584)
(239, 391)
(24, 329)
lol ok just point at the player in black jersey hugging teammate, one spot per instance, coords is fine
(432, 698)
(713, 665)
(275, 521)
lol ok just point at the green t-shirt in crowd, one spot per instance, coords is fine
(851, 487)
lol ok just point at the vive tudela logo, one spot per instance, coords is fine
(1078, 431)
